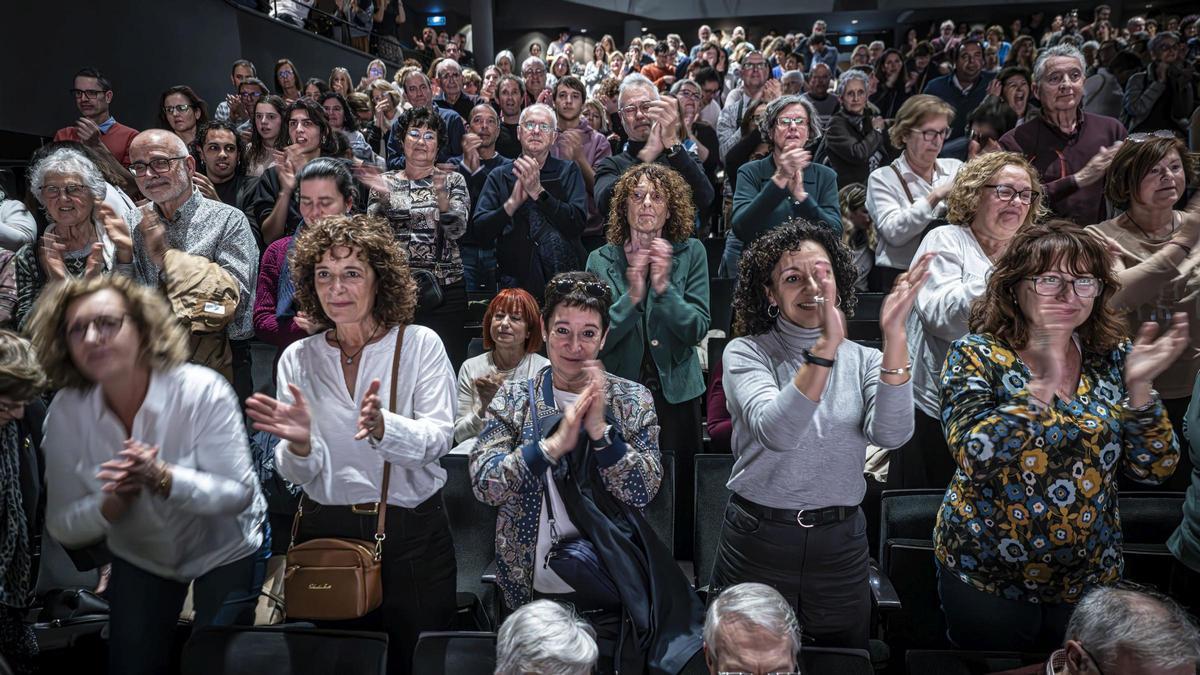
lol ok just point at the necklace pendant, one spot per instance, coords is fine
(349, 360)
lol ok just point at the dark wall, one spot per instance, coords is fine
(143, 46)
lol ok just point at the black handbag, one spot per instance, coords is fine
(574, 560)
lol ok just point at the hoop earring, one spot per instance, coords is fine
(774, 314)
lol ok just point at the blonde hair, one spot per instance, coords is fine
(963, 201)
(21, 376)
(914, 112)
(165, 343)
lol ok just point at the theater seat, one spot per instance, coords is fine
(831, 661)
(1147, 521)
(455, 653)
(287, 650)
(712, 472)
(475, 347)
(720, 303)
(473, 525)
(950, 662)
(906, 556)
(660, 513)
(868, 306)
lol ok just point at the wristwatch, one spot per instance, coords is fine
(605, 440)
(809, 357)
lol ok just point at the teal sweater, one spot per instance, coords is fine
(673, 322)
(759, 205)
(1185, 543)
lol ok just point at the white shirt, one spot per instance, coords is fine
(215, 512)
(545, 580)
(471, 419)
(957, 275)
(711, 113)
(342, 471)
(296, 9)
(898, 222)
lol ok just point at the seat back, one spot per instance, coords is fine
(953, 662)
(714, 248)
(472, 523)
(907, 519)
(716, 351)
(660, 512)
(834, 660)
(720, 303)
(907, 514)
(296, 650)
(868, 306)
(456, 653)
(474, 347)
(712, 473)
(1149, 517)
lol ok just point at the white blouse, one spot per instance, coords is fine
(215, 512)
(342, 471)
(957, 276)
(900, 222)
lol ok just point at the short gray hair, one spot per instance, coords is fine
(447, 63)
(792, 75)
(853, 75)
(680, 84)
(1149, 627)
(542, 108)
(1068, 51)
(505, 54)
(752, 603)
(547, 638)
(635, 80)
(532, 61)
(1161, 37)
(776, 107)
(68, 161)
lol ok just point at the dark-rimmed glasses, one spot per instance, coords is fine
(1051, 285)
(1007, 193)
(160, 165)
(105, 327)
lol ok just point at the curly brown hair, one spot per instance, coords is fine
(963, 201)
(750, 302)
(1033, 251)
(165, 343)
(395, 293)
(21, 376)
(681, 211)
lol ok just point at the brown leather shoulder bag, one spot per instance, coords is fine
(334, 579)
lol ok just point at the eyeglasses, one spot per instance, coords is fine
(688, 93)
(930, 135)
(791, 122)
(251, 94)
(773, 672)
(105, 327)
(1006, 193)
(181, 108)
(634, 108)
(70, 190)
(160, 165)
(596, 289)
(418, 135)
(1144, 136)
(89, 94)
(756, 65)
(1056, 78)
(1051, 285)
(286, 74)
(532, 126)
(533, 71)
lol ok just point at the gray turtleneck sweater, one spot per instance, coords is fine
(793, 453)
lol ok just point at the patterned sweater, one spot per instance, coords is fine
(1031, 513)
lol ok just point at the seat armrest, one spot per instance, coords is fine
(883, 593)
(489, 574)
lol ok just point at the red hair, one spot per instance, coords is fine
(515, 301)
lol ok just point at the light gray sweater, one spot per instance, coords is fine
(791, 452)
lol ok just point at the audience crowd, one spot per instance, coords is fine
(529, 263)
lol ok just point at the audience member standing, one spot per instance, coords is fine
(96, 127)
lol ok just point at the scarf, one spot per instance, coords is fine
(15, 554)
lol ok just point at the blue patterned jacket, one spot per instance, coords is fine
(506, 467)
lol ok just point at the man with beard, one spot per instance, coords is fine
(578, 142)
(534, 209)
(96, 127)
(704, 33)
(510, 97)
(477, 161)
(187, 221)
(964, 89)
(419, 92)
(653, 128)
(224, 178)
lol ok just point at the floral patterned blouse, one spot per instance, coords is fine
(429, 236)
(1031, 513)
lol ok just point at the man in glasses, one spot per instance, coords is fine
(450, 80)
(534, 209)
(96, 127)
(710, 88)
(418, 90)
(751, 628)
(757, 85)
(534, 72)
(234, 108)
(181, 218)
(578, 142)
(652, 125)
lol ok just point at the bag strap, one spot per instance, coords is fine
(903, 183)
(537, 435)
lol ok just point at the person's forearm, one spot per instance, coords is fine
(895, 357)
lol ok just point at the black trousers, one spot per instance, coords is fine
(679, 435)
(977, 620)
(448, 320)
(419, 570)
(822, 570)
(925, 460)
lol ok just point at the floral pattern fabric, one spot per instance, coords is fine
(501, 473)
(1031, 513)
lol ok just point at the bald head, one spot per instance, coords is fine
(167, 140)
(162, 167)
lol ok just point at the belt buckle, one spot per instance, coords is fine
(800, 520)
(368, 509)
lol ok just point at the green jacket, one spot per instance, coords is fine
(1185, 543)
(674, 322)
(759, 205)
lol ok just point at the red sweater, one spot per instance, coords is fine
(267, 327)
(117, 140)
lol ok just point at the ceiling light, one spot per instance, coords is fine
(854, 21)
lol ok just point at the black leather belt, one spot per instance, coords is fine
(803, 517)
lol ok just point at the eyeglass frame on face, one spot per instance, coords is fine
(178, 109)
(773, 672)
(533, 71)
(685, 92)
(1143, 136)
(755, 65)
(417, 135)
(532, 126)
(89, 94)
(790, 121)
(69, 190)
(158, 165)
(1037, 284)
(250, 94)
(633, 108)
(77, 334)
(1033, 194)
(926, 134)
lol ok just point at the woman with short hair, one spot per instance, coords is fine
(853, 141)
(341, 430)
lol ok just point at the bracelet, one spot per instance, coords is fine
(1187, 250)
(546, 453)
(897, 371)
(162, 488)
(1155, 399)
(809, 357)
